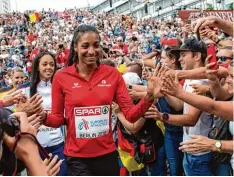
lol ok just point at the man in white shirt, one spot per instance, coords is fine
(192, 55)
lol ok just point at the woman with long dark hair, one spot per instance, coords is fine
(85, 91)
(173, 134)
(43, 70)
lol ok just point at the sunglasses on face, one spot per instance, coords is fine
(119, 41)
(223, 58)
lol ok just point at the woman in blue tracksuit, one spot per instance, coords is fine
(52, 139)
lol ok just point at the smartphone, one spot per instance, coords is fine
(211, 51)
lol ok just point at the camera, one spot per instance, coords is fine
(9, 164)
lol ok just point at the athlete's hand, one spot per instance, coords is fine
(115, 108)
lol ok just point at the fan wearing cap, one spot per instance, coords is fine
(192, 55)
(121, 46)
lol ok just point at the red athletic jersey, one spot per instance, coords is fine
(87, 106)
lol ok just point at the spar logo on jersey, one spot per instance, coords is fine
(83, 125)
(105, 110)
(90, 111)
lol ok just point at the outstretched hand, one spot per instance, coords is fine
(155, 82)
(13, 97)
(35, 120)
(198, 144)
(53, 165)
(201, 23)
(200, 89)
(31, 106)
(171, 86)
(24, 145)
(212, 75)
(153, 113)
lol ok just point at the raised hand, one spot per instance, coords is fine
(35, 120)
(53, 165)
(155, 82)
(13, 97)
(170, 86)
(201, 23)
(153, 113)
(31, 106)
(203, 33)
(200, 89)
(212, 36)
(187, 29)
(212, 75)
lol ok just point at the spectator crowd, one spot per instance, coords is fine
(188, 129)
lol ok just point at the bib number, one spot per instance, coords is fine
(92, 122)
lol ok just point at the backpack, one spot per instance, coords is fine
(144, 143)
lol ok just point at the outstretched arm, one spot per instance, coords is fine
(219, 108)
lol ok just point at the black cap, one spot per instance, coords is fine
(192, 44)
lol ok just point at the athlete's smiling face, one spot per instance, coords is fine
(46, 67)
(88, 48)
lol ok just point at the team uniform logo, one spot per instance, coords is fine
(92, 122)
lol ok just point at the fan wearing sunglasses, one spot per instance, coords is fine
(225, 55)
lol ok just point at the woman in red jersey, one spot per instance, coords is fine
(86, 90)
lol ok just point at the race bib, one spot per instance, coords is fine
(92, 122)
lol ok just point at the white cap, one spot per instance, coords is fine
(132, 78)
(120, 38)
